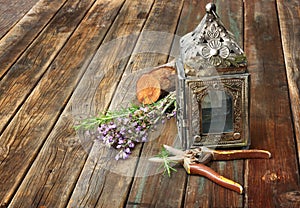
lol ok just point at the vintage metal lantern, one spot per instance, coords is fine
(212, 87)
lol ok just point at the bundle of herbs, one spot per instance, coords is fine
(123, 129)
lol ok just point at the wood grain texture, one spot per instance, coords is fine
(22, 140)
(290, 35)
(148, 89)
(156, 83)
(150, 187)
(62, 61)
(180, 179)
(199, 189)
(118, 175)
(17, 39)
(23, 76)
(101, 173)
(159, 190)
(270, 117)
(190, 17)
(11, 12)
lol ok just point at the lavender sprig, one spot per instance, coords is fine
(123, 129)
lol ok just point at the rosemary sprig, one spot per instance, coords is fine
(103, 118)
(166, 165)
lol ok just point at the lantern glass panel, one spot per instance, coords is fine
(217, 113)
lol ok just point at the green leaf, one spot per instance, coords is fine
(167, 163)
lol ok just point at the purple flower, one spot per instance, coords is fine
(101, 128)
(125, 156)
(122, 155)
(110, 138)
(122, 130)
(138, 129)
(117, 157)
(107, 143)
(127, 150)
(144, 139)
(145, 109)
(131, 145)
(134, 124)
(112, 125)
(144, 125)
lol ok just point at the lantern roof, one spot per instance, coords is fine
(211, 45)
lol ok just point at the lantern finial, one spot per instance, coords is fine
(210, 7)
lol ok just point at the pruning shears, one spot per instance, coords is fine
(194, 161)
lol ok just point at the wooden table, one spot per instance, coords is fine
(64, 60)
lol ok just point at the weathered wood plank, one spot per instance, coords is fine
(189, 19)
(63, 149)
(15, 41)
(155, 189)
(270, 117)
(117, 176)
(289, 19)
(105, 182)
(23, 138)
(150, 188)
(11, 12)
(22, 77)
(100, 174)
(199, 189)
(144, 196)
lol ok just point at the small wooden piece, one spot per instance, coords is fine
(147, 89)
(156, 83)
